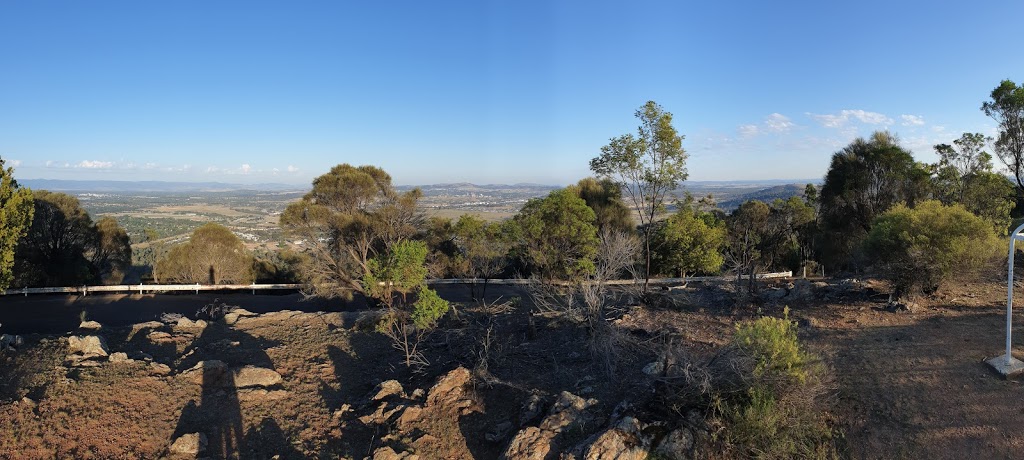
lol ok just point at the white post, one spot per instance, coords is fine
(197, 288)
(1007, 364)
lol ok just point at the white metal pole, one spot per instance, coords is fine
(1009, 294)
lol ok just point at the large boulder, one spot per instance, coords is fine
(386, 389)
(676, 445)
(534, 443)
(90, 326)
(233, 316)
(206, 373)
(89, 346)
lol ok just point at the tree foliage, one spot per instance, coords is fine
(63, 247)
(604, 196)
(964, 175)
(923, 246)
(483, 247)
(212, 255)
(16, 211)
(557, 236)
(1006, 107)
(865, 179)
(351, 215)
(689, 241)
(647, 166)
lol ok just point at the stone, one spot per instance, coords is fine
(90, 326)
(185, 324)
(448, 388)
(568, 410)
(387, 453)
(499, 431)
(119, 357)
(624, 441)
(532, 408)
(251, 376)
(531, 443)
(233, 316)
(206, 373)
(189, 444)
(160, 337)
(159, 369)
(676, 444)
(88, 346)
(386, 389)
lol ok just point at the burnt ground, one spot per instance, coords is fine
(908, 384)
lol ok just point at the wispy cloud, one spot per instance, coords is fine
(246, 168)
(14, 163)
(95, 164)
(912, 120)
(292, 169)
(844, 117)
(779, 123)
(748, 130)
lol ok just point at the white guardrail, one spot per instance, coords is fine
(161, 288)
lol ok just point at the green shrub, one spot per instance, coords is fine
(780, 413)
(923, 246)
(429, 308)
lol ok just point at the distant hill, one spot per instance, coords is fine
(767, 195)
(116, 186)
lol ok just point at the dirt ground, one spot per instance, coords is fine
(908, 384)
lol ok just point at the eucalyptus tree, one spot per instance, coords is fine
(16, 211)
(648, 166)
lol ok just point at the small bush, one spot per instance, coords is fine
(780, 414)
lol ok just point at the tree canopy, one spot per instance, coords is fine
(648, 166)
(1006, 107)
(351, 215)
(212, 255)
(558, 236)
(16, 209)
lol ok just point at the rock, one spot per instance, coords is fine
(900, 306)
(251, 376)
(119, 357)
(90, 326)
(206, 373)
(88, 346)
(568, 410)
(448, 388)
(233, 316)
(11, 341)
(676, 445)
(159, 369)
(531, 409)
(774, 294)
(261, 394)
(624, 441)
(136, 328)
(189, 444)
(382, 415)
(802, 291)
(185, 324)
(159, 337)
(530, 444)
(387, 453)
(387, 388)
(533, 443)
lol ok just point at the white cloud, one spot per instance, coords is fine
(212, 169)
(779, 123)
(14, 163)
(748, 130)
(246, 168)
(845, 116)
(912, 120)
(292, 169)
(49, 163)
(95, 164)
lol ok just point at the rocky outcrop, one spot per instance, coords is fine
(624, 441)
(216, 373)
(535, 443)
(233, 316)
(90, 326)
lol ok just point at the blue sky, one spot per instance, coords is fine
(484, 92)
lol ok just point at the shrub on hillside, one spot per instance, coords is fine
(923, 246)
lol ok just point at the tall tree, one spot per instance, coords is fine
(351, 215)
(865, 179)
(112, 255)
(964, 176)
(16, 211)
(647, 166)
(212, 255)
(56, 250)
(484, 247)
(1006, 107)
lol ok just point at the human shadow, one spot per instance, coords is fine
(218, 414)
(268, 441)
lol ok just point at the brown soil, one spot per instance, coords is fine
(909, 384)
